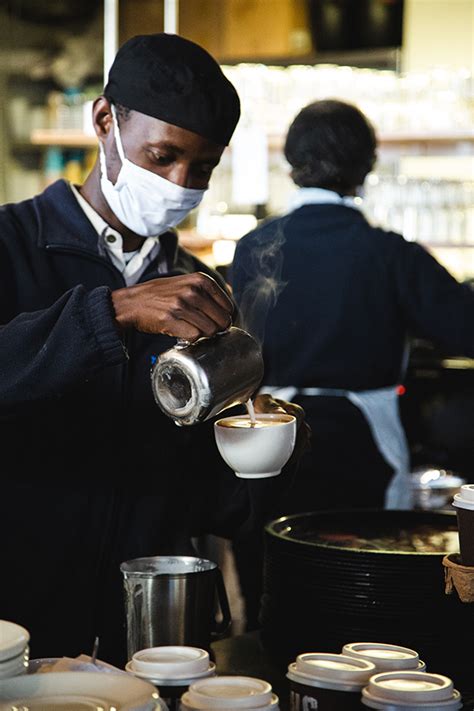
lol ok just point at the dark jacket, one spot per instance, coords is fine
(93, 473)
(347, 297)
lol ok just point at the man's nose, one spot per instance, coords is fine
(180, 175)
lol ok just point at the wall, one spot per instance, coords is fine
(438, 33)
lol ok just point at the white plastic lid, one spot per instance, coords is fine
(229, 692)
(386, 657)
(13, 639)
(170, 662)
(332, 671)
(464, 499)
(410, 687)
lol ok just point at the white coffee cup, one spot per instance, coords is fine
(172, 669)
(386, 657)
(411, 691)
(256, 450)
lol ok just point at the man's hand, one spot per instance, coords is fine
(266, 403)
(188, 306)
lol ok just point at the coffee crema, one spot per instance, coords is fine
(234, 423)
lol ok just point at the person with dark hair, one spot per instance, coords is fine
(93, 286)
(334, 300)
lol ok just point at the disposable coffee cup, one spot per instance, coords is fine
(228, 693)
(386, 657)
(411, 691)
(172, 669)
(323, 681)
(464, 503)
(256, 449)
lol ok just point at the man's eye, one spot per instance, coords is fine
(205, 169)
(161, 159)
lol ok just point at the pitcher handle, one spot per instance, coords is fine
(222, 626)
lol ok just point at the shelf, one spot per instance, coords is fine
(426, 137)
(78, 139)
(275, 142)
(64, 137)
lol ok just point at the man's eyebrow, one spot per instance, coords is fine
(173, 148)
(165, 145)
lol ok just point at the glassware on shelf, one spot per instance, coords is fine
(440, 101)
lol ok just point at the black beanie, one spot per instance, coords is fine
(177, 81)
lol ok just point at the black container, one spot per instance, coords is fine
(319, 597)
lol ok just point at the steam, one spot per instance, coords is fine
(264, 270)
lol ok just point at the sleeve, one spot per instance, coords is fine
(44, 353)
(436, 305)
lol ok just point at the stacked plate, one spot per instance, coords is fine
(14, 649)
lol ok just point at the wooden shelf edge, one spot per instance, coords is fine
(63, 137)
(275, 142)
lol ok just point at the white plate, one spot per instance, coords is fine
(13, 639)
(78, 691)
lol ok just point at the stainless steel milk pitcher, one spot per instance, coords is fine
(192, 382)
(172, 600)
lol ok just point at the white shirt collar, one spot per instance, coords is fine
(321, 196)
(130, 264)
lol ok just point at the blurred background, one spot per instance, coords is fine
(407, 63)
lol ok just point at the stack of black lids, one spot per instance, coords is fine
(333, 577)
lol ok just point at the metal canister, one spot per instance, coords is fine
(193, 382)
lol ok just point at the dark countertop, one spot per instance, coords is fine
(244, 655)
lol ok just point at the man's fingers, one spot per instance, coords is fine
(265, 403)
(184, 306)
(292, 409)
(217, 293)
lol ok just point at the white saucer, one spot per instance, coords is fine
(74, 691)
(176, 680)
(13, 639)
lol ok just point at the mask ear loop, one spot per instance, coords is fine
(118, 143)
(118, 140)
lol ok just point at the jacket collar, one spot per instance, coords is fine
(74, 231)
(321, 196)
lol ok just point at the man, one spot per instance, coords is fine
(93, 286)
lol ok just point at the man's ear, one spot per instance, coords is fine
(102, 117)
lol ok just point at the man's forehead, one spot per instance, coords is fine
(151, 130)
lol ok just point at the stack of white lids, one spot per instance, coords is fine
(171, 665)
(14, 649)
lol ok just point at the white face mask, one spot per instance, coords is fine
(145, 202)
